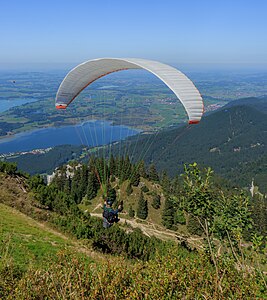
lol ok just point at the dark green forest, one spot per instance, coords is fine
(47, 162)
(232, 140)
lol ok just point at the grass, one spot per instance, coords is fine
(27, 242)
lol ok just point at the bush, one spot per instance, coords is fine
(144, 189)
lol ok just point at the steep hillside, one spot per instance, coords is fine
(38, 163)
(258, 103)
(38, 261)
(228, 140)
(37, 241)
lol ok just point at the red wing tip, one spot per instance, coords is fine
(61, 106)
(193, 122)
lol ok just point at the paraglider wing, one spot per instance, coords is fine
(86, 73)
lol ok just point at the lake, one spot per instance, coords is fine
(92, 133)
(7, 104)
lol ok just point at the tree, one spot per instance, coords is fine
(92, 186)
(168, 214)
(135, 178)
(144, 189)
(111, 193)
(142, 169)
(131, 212)
(9, 168)
(67, 186)
(127, 167)
(153, 174)
(129, 189)
(259, 213)
(156, 201)
(112, 165)
(200, 202)
(165, 183)
(35, 181)
(217, 214)
(142, 209)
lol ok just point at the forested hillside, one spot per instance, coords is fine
(232, 140)
(34, 163)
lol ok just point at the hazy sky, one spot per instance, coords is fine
(174, 31)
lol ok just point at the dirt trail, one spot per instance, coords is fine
(151, 230)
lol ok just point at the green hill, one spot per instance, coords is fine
(229, 140)
(28, 243)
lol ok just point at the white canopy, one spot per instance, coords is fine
(86, 73)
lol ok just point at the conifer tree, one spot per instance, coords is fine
(135, 178)
(131, 212)
(165, 183)
(127, 167)
(92, 164)
(142, 209)
(84, 179)
(129, 189)
(92, 186)
(153, 174)
(156, 201)
(111, 193)
(142, 169)
(67, 186)
(112, 165)
(76, 191)
(168, 214)
(60, 178)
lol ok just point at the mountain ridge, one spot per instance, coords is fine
(226, 139)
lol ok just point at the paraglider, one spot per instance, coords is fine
(110, 215)
(86, 73)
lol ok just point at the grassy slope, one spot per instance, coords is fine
(27, 241)
(24, 240)
(52, 273)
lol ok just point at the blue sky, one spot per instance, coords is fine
(173, 31)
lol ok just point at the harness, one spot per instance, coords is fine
(109, 215)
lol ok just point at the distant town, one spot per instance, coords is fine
(14, 154)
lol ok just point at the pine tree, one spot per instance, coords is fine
(60, 178)
(112, 165)
(156, 201)
(127, 167)
(84, 179)
(92, 186)
(142, 209)
(135, 178)
(131, 212)
(92, 164)
(153, 174)
(129, 189)
(165, 183)
(142, 169)
(76, 190)
(259, 213)
(67, 186)
(168, 214)
(111, 193)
